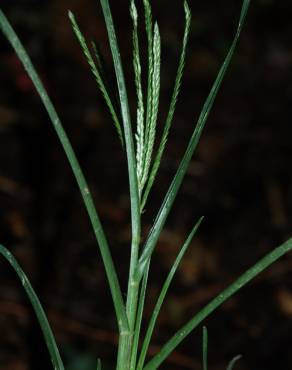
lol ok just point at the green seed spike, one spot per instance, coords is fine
(172, 106)
(149, 106)
(103, 72)
(155, 90)
(140, 106)
(193, 142)
(97, 74)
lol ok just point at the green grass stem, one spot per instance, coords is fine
(124, 356)
(139, 318)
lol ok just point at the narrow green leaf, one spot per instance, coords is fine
(139, 318)
(233, 361)
(205, 348)
(162, 295)
(135, 203)
(95, 71)
(176, 183)
(250, 274)
(133, 285)
(172, 106)
(76, 169)
(99, 364)
(38, 309)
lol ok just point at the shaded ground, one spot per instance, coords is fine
(240, 179)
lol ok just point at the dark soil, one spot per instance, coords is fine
(240, 179)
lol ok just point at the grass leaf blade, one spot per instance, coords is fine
(178, 178)
(135, 204)
(133, 285)
(172, 106)
(246, 277)
(95, 71)
(98, 364)
(233, 362)
(205, 348)
(162, 295)
(76, 169)
(38, 309)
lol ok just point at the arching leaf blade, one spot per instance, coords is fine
(179, 176)
(245, 278)
(233, 362)
(38, 309)
(162, 295)
(13, 39)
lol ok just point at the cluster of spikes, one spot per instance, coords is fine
(147, 161)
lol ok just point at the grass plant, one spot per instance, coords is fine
(143, 164)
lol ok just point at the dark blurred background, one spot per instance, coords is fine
(240, 179)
